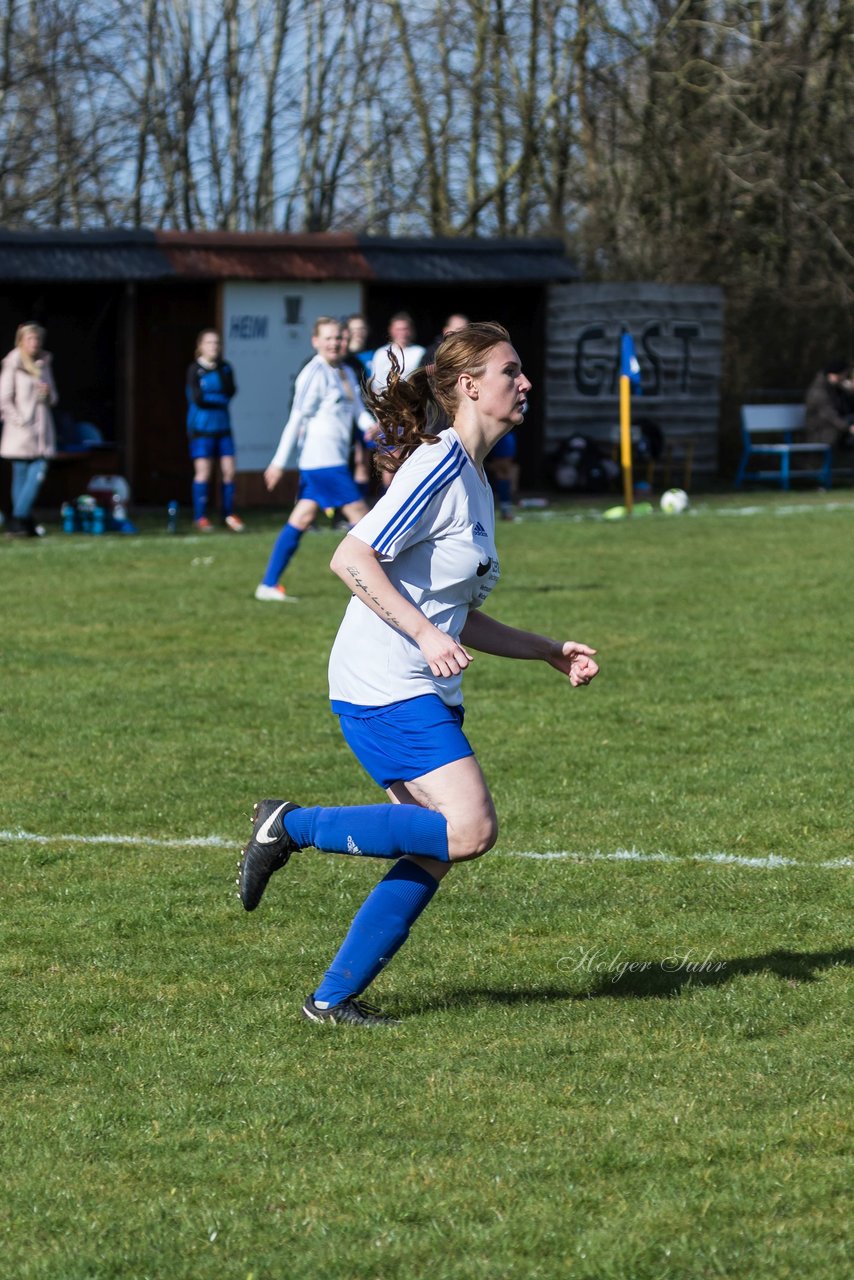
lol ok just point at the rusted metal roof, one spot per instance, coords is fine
(213, 255)
(336, 256)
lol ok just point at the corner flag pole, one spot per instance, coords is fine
(626, 442)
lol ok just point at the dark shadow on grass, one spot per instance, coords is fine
(647, 979)
(543, 587)
(479, 997)
(672, 974)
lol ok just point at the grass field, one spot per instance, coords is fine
(628, 1060)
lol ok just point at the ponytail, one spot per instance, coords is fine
(413, 411)
(407, 413)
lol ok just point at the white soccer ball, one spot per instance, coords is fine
(674, 502)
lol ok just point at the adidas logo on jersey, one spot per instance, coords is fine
(479, 531)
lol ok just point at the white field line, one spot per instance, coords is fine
(785, 509)
(91, 542)
(702, 508)
(773, 862)
(142, 842)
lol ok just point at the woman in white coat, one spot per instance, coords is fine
(27, 394)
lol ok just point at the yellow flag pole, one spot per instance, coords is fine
(626, 442)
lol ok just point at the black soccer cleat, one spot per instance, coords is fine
(267, 851)
(356, 1013)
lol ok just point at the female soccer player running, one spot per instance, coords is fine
(317, 437)
(419, 565)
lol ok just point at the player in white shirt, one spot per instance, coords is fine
(317, 438)
(400, 353)
(419, 566)
(407, 353)
(442, 493)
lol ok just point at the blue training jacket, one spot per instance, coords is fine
(208, 394)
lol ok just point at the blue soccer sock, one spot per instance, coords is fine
(379, 930)
(200, 499)
(371, 830)
(227, 498)
(285, 546)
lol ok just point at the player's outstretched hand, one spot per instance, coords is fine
(272, 476)
(576, 661)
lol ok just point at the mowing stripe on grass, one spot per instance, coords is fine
(772, 862)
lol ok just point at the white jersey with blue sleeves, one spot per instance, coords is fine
(434, 531)
(319, 430)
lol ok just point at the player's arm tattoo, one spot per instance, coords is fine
(363, 587)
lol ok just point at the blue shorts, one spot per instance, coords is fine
(218, 446)
(329, 487)
(504, 448)
(405, 739)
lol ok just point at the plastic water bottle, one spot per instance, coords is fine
(69, 523)
(172, 517)
(85, 507)
(99, 519)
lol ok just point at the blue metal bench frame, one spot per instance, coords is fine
(779, 421)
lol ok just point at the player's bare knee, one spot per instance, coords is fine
(472, 839)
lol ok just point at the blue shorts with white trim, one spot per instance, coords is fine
(404, 740)
(329, 487)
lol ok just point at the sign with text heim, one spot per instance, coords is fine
(267, 339)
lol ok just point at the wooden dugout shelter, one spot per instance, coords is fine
(123, 308)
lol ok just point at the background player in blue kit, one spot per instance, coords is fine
(503, 469)
(419, 566)
(317, 438)
(210, 390)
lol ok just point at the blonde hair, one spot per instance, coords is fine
(202, 333)
(413, 411)
(27, 361)
(322, 320)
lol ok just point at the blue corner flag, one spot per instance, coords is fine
(629, 364)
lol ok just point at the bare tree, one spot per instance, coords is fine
(676, 139)
(264, 200)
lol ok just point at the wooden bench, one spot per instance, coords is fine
(767, 432)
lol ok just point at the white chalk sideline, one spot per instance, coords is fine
(773, 861)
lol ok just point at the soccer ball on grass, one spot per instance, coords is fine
(674, 502)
